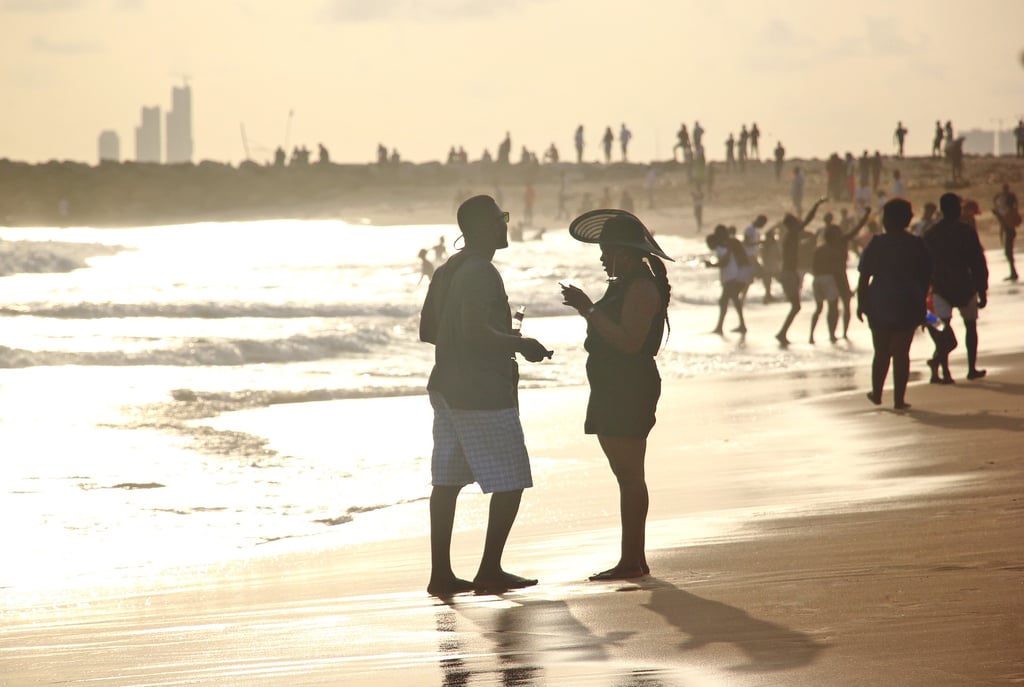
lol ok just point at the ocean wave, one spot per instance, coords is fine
(189, 404)
(540, 303)
(178, 416)
(210, 310)
(352, 511)
(213, 352)
(38, 257)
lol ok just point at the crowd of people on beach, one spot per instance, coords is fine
(911, 275)
(787, 252)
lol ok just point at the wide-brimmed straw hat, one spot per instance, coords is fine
(615, 228)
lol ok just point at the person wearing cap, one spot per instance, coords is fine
(959, 280)
(473, 391)
(624, 332)
(892, 291)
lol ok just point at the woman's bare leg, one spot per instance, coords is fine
(626, 458)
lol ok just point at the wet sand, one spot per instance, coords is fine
(797, 538)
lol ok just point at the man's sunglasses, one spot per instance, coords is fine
(504, 216)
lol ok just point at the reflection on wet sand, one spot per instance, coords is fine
(532, 642)
(821, 382)
(524, 635)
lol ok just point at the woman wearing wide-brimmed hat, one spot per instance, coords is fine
(624, 332)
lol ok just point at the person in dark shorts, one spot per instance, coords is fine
(624, 332)
(895, 270)
(960, 281)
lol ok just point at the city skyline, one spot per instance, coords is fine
(424, 76)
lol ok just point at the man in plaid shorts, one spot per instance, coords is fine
(473, 391)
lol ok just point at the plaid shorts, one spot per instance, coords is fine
(482, 446)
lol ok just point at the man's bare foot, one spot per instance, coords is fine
(976, 374)
(618, 573)
(717, 330)
(781, 338)
(449, 587)
(877, 400)
(901, 406)
(502, 582)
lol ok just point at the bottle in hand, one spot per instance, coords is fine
(517, 318)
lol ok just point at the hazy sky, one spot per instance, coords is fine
(422, 75)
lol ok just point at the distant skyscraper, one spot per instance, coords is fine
(147, 136)
(110, 146)
(179, 126)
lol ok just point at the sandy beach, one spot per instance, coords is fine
(797, 539)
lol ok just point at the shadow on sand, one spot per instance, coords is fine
(982, 420)
(765, 645)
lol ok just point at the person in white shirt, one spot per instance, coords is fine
(734, 271)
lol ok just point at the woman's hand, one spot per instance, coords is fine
(574, 297)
